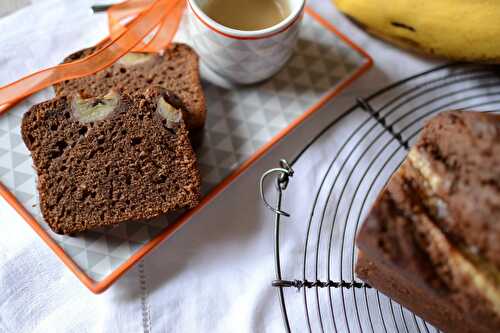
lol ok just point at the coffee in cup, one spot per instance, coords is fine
(247, 15)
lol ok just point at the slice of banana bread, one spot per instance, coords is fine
(106, 160)
(176, 70)
(431, 241)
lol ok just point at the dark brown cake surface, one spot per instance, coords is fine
(417, 249)
(460, 151)
(112, 159)
(176, 70)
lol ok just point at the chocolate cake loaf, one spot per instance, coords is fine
(176, 70)
(432, 239)
(110, 159)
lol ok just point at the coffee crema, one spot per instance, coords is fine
(247, 15)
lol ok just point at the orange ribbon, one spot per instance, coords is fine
(151, 27)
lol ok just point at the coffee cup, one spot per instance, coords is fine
(244, 56)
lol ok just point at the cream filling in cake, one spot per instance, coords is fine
(484, 280)
(462, 263)
(424, 167)
(430, 183)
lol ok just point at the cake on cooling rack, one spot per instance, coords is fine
(176, 70)
(432, 239)
(107, 160)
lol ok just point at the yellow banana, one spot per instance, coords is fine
(456, 29)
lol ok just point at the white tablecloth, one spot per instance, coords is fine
(214, 275)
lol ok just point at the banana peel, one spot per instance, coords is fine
(467, 30)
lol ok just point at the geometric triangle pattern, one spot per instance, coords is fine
(242, 120)
(239, 122)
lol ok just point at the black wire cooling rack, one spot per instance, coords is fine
(381, 128)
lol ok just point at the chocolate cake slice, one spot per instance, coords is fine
(110, 159)
(176, 70)
(431, 241)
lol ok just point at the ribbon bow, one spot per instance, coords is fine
(134, 25)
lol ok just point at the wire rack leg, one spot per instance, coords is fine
(277, 262)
